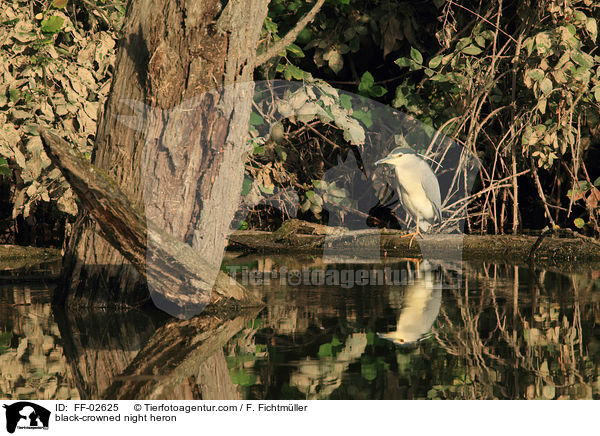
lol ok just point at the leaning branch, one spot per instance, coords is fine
(174, 270)
(290, 37)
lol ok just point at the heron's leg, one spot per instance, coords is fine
(413, 235)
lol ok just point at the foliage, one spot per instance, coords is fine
(56, 69)
(517, 84)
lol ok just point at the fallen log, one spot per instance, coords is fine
(298, 237)
(180, 280)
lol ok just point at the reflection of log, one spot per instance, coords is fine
(180, 357)
(173, 268)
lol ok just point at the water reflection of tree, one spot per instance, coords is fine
(533, 344)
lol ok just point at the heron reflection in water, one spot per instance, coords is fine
(421, 305)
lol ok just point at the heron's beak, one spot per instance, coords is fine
(384, 160)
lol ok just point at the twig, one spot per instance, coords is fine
(540, 190)
(290, 37)
(484, 19)
(513, 154)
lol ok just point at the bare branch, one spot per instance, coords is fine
(290, 37)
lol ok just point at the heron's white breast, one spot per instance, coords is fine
(414, 197)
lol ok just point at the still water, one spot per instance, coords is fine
(395, 330)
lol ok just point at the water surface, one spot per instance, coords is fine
(433, 331)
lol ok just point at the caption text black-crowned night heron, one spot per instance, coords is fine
(417, 186)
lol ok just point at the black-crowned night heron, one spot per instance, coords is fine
(417, 186)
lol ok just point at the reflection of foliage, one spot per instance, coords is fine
(533, 351)
(502, 335)
(32, 360)
(5, 339)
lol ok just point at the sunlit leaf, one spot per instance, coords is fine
(435, 62)
(592, 27)
(295, 50)
(52, 24)
(546, 86)
(59, 4)
(416, 55)
(472, 50)
(536, 74)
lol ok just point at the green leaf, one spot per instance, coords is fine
(266, 189)
(462, 43)
(471, 50)
(366, 82)
(365, 117)
(334, 60)
(435, 62)
(597, 93)
(582, 59)
(295, 50)
(346, 101)
(246, 185)
(304, 36)
(281, 153)
(241, 377)
(579, 16)
(377, 91)
(597, 182)
(416, 55)
(295, 72)
(59, 4)
(14, 95)
(4, 168)
(368, 370)
(402, 62)
(325, 350)
(255, 119)
(536, 74)
(592, 27)
(542, 42)
(579, 223)
(52, 24)
(546, 86)
(371, 338)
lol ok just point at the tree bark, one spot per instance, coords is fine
(172, 136)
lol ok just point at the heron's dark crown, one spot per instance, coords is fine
(401, 151)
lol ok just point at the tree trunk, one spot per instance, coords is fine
(172, 135)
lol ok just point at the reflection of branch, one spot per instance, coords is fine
(290, 37)
(173, 354)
